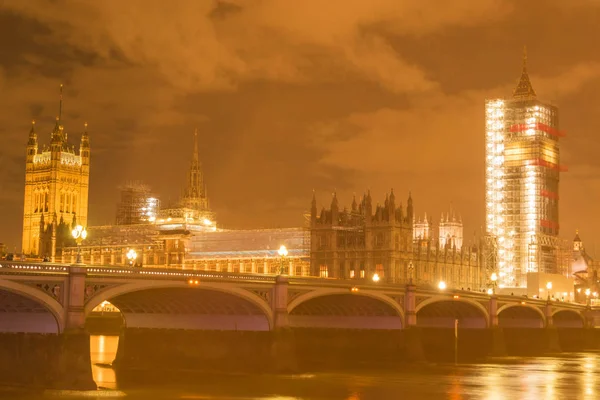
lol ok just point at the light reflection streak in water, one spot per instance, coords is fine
(568, 376)
(103, 351)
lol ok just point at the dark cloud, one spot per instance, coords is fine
(340, 95)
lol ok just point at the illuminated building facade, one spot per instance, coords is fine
(422, 229)
(193, 207)
(451, 231)
(364, 242)
(56, 189)
(522, 176)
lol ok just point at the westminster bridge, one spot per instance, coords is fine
(190, 318)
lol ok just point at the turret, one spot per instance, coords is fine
(409, 209)
(313, 210)
(354, 205)
(577, 243)
(391, 211)
(368, 207)
(84, 147)
(334, 210)
(32, 145)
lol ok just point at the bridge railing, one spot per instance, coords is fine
(170, 273)
(28, 267)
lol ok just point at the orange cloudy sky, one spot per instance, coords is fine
(291, 96)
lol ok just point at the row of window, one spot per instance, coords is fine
(67, 204)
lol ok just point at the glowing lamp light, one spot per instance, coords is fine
(375, 277)
(131, 255)
(442, 285)
(207, 222)
(494, 277)
(354, 289)
(549, 285)
(283, 251)
(79, 232)
(490, 291)
(587, 292)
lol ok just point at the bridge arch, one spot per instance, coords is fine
(342, 308)
(51, 305)
(520, 315)
(115, 292)
(470, 313)
(566, 318)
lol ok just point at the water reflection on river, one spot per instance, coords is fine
(571, 376)
(103, 352)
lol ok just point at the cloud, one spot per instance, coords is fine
(260, 39)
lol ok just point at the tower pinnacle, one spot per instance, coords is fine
(524, 90)
(194, 194)
(60, 104)
(195, 154)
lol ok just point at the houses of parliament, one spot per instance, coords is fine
(387, 241)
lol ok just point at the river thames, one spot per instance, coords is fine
(569, 376)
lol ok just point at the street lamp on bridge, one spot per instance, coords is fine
(493, 283)
(79, 233)
(283, 252)
(132, 257)
(549, 288)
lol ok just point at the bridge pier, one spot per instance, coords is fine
(73, 368)
(552, 339)
(283, 346)
(498, 347)
(412, 335)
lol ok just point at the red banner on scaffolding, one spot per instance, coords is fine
(548, 194)
(538, 126)
(543, 163)
(549, 224)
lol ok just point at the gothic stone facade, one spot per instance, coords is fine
(56, 190)
(365, 241)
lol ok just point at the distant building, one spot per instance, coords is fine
(522, 178)
(137, 205)
(366, 242)
(2, 250)
(56, 190)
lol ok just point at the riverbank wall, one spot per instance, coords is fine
(310, 350)
(63, 361)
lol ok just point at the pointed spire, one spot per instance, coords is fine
(313, 208)
(85, 136)
(195, 155)
(334, 201)
(524, 90)
(354, 204)
(194, 194)
(32, 136)
(60, 104)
